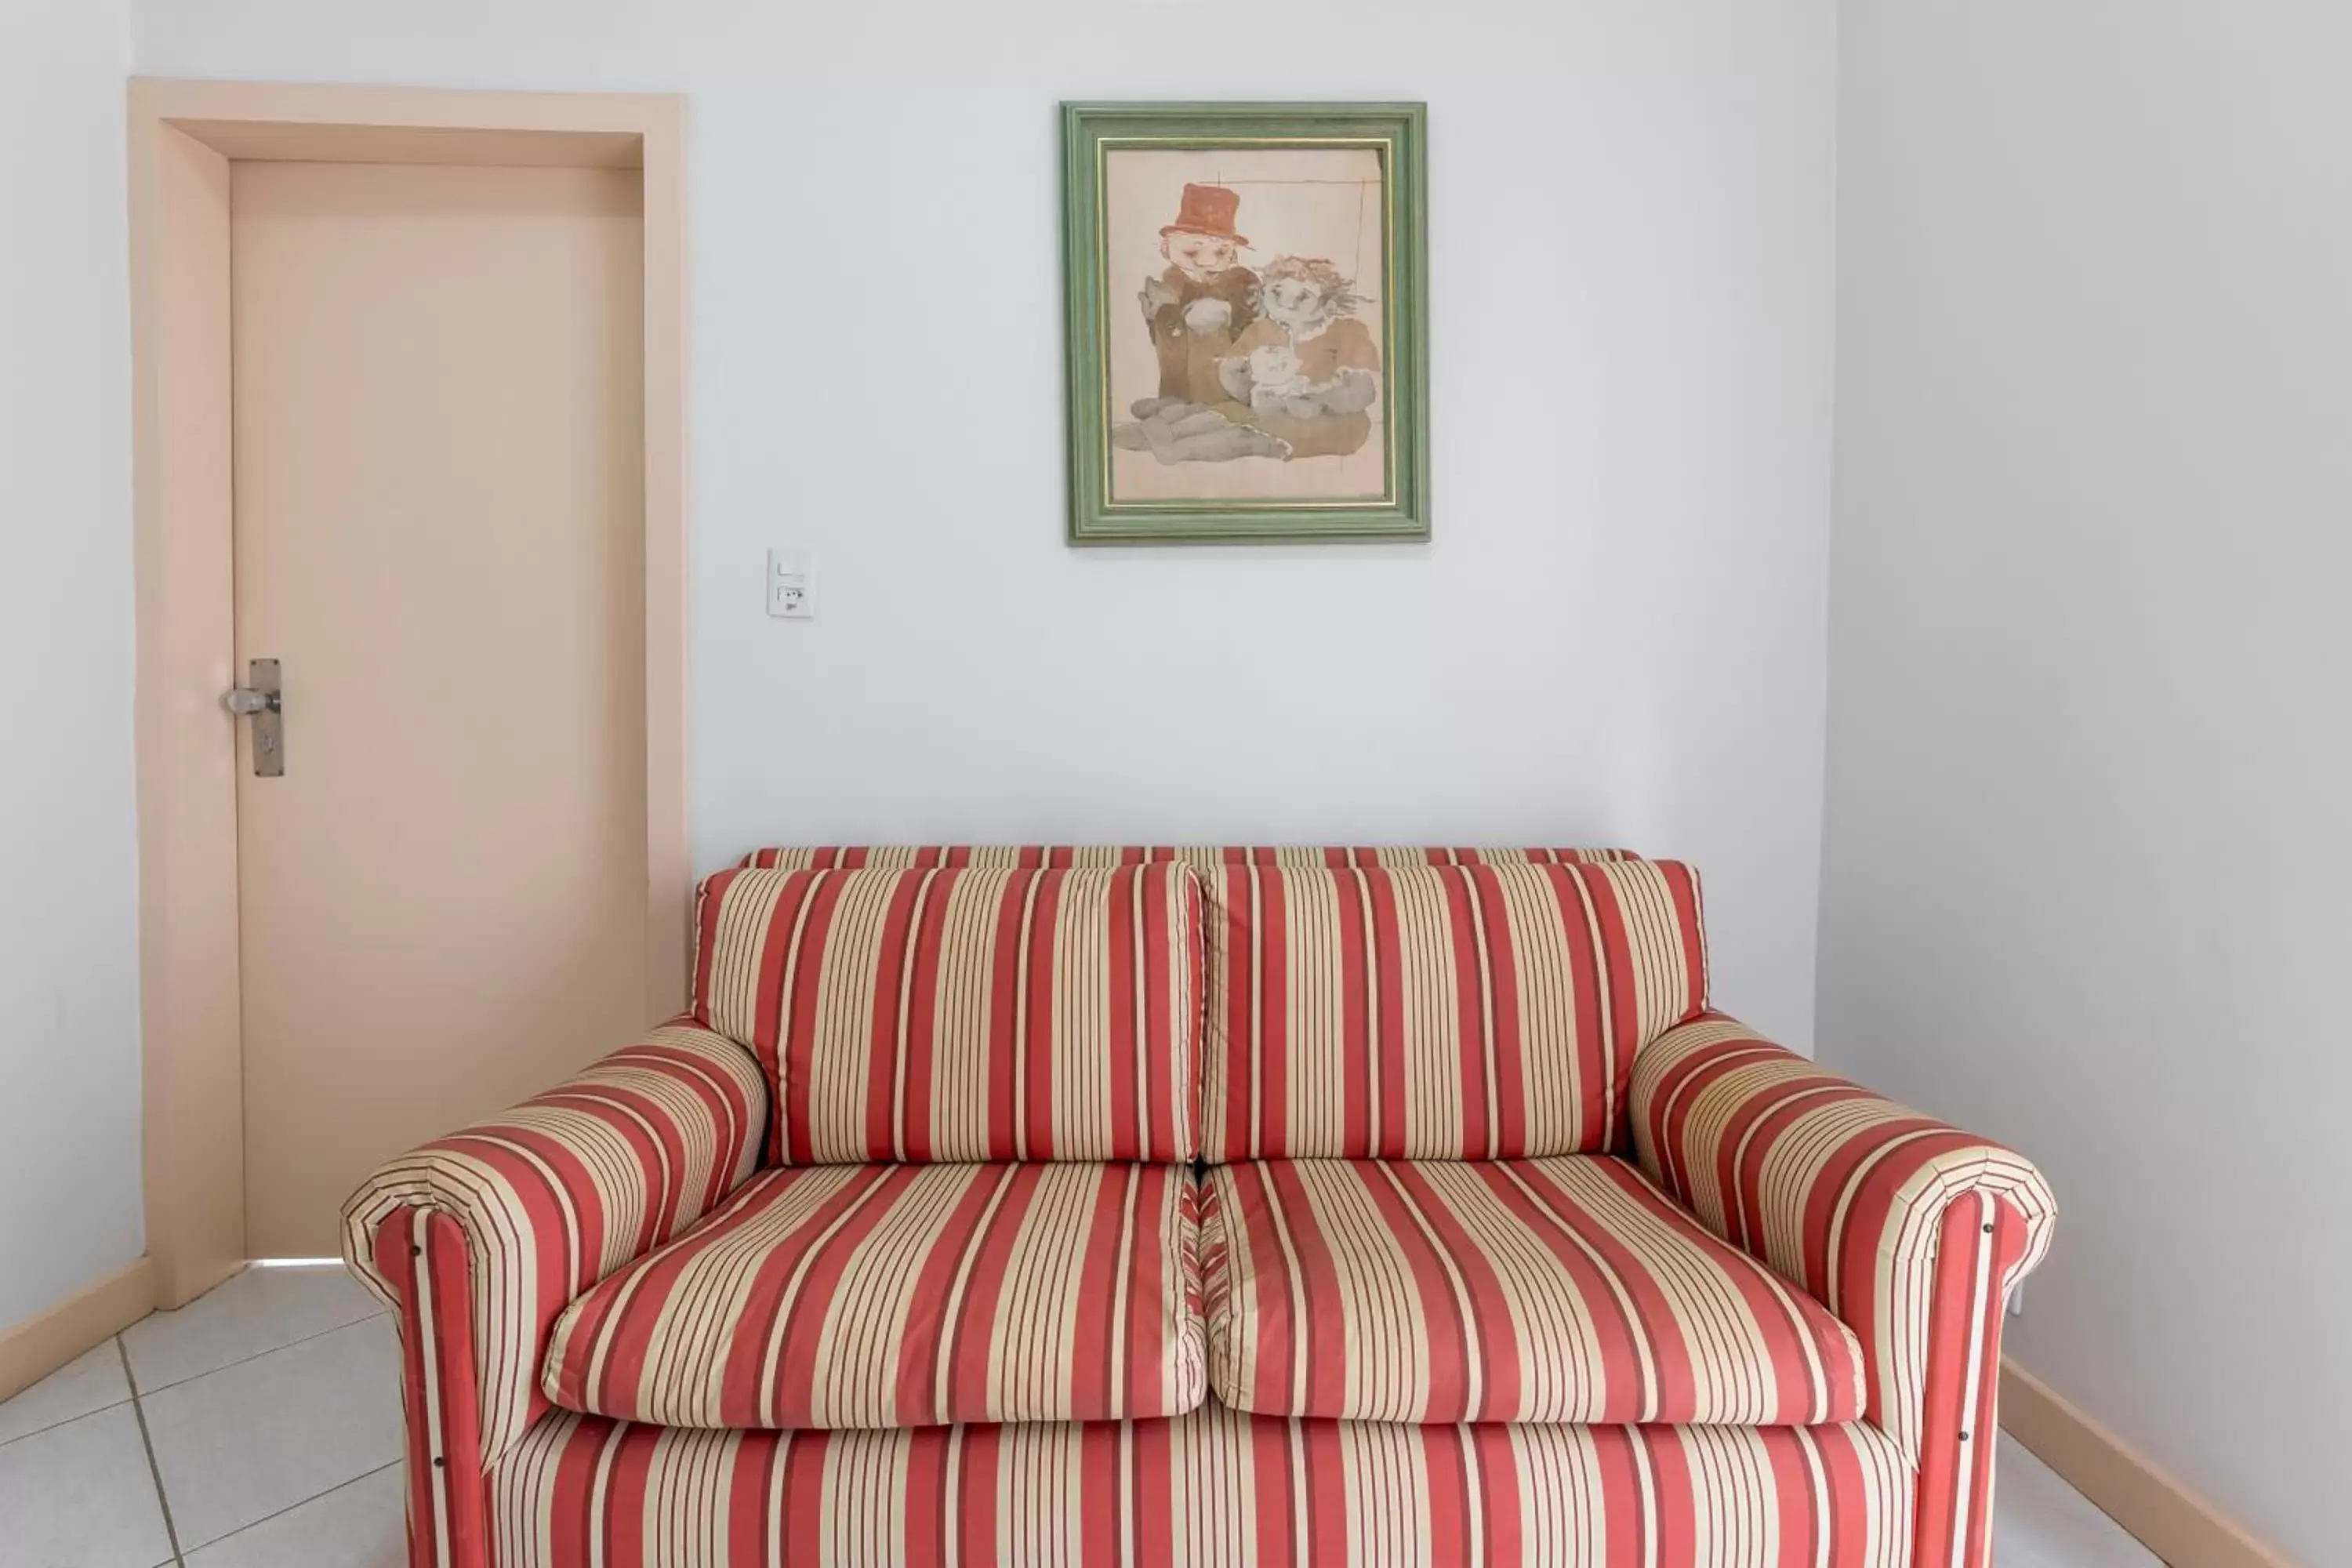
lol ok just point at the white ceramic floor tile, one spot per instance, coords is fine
(82, 1496)
(2040, 1522)
(359, 1525)
(89, 1383)
(251, 1440)
(244, 1315)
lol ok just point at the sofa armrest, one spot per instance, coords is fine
(1912, 1232)
(478, 1241)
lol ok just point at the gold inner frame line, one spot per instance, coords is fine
(1386, 146)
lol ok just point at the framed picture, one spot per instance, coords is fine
(1248, 335)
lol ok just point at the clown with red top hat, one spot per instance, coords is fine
(1204, 299)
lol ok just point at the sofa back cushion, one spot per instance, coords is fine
(1460, 1011)
(958, 1012)
(1204, 858)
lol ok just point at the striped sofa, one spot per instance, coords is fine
(1203, 1207)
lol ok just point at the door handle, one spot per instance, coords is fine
(263, 700)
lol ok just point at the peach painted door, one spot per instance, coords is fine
(440, 536)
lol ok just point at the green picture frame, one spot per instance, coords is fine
(1224, 388)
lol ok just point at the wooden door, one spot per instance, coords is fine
(440, 536)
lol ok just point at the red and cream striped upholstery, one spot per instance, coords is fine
(864, 1296)
(1203, 857)
(544, 1200)
(1410, 1073)
(962, 1013)
(1909, 1230)
(1438, 1012)
(1566, 1289)
(1362, 1003)
(1213, 1490)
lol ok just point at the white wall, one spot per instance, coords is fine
(2088, 873)
(69, 1192)
(1618, 633)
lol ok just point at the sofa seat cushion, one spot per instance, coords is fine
(1561, 1289)
(871, 1296)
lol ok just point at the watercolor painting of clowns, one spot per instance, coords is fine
(1246, 335)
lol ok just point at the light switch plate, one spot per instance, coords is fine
(792, 585)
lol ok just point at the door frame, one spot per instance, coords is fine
(183, 137)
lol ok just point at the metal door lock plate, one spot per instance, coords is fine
(262, 700)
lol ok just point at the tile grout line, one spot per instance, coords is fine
(241, 1361)
(289, 1508)
(26, 1437)
(154, 1471)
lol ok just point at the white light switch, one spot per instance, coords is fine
(792, 585)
